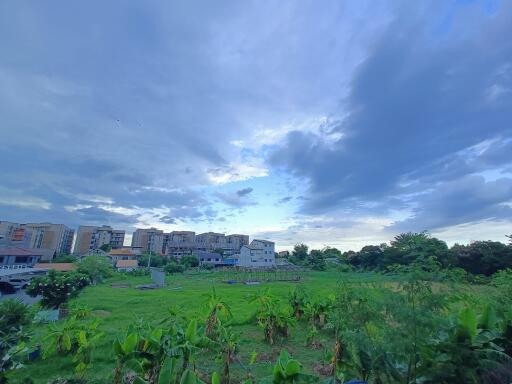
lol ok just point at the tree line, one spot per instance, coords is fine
(478, 257)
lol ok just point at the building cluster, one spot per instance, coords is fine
(41, 242)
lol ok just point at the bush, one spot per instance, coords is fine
(57, 287)
(96, 267)
(13, 315)
(189, 261)
(174, 268)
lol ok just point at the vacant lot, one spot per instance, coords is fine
(118, 307)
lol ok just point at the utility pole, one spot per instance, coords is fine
(149, 259)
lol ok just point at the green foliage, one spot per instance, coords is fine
(57, 287)
(275, 319)
(189, 261)
(217, 312)
(14, 315)
(157, 261)
(298, 300)
(96, 267)
(289, 370)
(106, 247)
(174, 268)
(483, 257)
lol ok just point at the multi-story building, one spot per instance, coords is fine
(90, 238)
(210, 241)
(149, 240)
(180, 243)
(260, 253)
(234, 243)
(53, 238)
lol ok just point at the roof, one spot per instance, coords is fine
(122, 251)
(264, 241)
(127, 264)
(19, 251)
(61, 267)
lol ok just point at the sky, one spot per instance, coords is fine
(333, 123)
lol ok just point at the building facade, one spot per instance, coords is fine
(258, 254)
(53, 238)
(182, 243)
(11, 256)
(90, 238)
(149, 240)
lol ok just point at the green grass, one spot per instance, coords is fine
(118, 307)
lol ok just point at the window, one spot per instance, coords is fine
(1, 259)
(21, 259)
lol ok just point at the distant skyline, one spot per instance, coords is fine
(329, 123)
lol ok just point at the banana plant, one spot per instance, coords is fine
(217, 311)
(288, 370)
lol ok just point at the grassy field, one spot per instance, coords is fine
(119, 307)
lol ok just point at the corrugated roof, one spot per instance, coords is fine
(127, 264)
(61, 267)
(122, 251)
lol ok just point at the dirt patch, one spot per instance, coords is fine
(120, 285)
(323, 370)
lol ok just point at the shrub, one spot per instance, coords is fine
(13, 314)
(96, 267)
(174, 268)
(189, 261)
(57, 287)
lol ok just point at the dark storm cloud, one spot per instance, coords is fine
(420, 106)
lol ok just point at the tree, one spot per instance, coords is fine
(509, 240)
(408, 248)
(96, 267)
(300, 252)
(483, 257)
(189, 261)
(369, 257)
(57, 287)
(332, 253)
(174, 268)
(156, 260)
(106, 248)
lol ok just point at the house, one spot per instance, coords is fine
(123, 254)
(260, 253)
(209, 258)
(126, 265)
(59, 267)
(19, 256)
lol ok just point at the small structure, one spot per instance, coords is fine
(10, 256)
(258, 254)
(209, 258)
(127, 265)
(123, 254)
(59, 267)
(158, 277)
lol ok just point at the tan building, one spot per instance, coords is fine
(149, 240)
(54, 238)
(90, 238)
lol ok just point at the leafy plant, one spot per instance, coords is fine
(57, 287)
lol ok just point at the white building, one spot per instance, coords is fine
(260, 253)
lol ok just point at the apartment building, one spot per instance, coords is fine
(90, 238)
(149, 240)
(53, 238)
(180, 243)
(260, 253)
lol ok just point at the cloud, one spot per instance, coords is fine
(244, 192)
(415, 115)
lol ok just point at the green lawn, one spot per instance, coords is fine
(118, 307)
